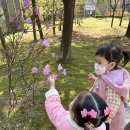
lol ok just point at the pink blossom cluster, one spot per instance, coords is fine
(47, 70)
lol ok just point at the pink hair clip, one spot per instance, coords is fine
(92, 113)
(107, 111)
(86, 113)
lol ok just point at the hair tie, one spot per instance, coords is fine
(88, 126)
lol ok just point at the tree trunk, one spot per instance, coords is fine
(113, 16)
(128, 30)
(36, 17)
(110, 8)
(34, 29)
(114, 9)
(69, 6)
(123, 10)
(60, 23)
(39, 26)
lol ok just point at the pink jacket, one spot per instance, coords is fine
(60, 117)
(119, 81)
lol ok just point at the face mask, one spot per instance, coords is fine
(99, 69)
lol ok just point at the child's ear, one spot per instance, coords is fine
(112, 65)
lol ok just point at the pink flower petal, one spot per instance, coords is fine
(36, 10)
(26, 3)
(11, 19)
(34, 70)
(60, 67)
(21, 18)
(29, 20)
(55, 76)
(53, 55)
(17, 11)
(64, 72)
(46, 42)
(46, 70)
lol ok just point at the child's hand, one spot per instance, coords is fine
(91, 77)
(51, 81)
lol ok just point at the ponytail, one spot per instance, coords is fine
(107, 126)
(126, 57)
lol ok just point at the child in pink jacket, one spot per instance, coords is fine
(113, 83)
(86, 111)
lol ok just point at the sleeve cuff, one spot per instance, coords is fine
(51, 92)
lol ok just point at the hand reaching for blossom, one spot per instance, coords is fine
(91, 77)
(51, 81)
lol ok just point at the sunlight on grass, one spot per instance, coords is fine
(102, 26)
(14, 112)
(72, 93)
(1, 93)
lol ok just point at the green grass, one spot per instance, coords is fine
(92, 34)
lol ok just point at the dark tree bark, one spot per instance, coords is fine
(110, 7)
(34, 29)
(128, 30)
(39, 26)
(60, 23)
(69, 6)
(123, 10)
(36, 17)
(114, 9)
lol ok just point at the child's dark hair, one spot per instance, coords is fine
(89, 101)
(112, 53)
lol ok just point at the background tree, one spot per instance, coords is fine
(103, 8)
(79, 11)
(35, 16)
(128, 30)
(113, 6)
(53, 13)
(69, 6)
(122, 12)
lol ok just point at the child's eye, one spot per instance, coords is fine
(99, 63)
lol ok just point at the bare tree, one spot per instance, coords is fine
(113, 6)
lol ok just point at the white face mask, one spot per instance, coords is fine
(99, 69)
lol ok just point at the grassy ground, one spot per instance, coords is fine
(86, 39)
